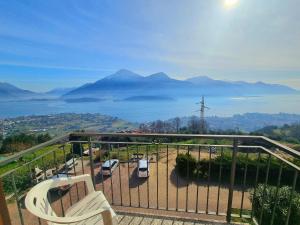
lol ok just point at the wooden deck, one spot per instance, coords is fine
(147, 220)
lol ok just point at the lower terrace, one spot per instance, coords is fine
(193, 179)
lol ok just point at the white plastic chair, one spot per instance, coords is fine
(92, 209)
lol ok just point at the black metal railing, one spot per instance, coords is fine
(222, 175)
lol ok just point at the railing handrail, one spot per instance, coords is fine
(215, 136)
(17, 156)
(284, 148)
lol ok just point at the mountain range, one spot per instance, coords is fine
(11, 92)
(125, 84)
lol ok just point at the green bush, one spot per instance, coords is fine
(226, 161)
(265, 200)
(22, 181)
(186, 164)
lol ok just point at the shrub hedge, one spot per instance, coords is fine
(186, 164)
(266, 198)
(226, 161)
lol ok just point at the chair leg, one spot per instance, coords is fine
(107, 218)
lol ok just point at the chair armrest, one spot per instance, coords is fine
(62, 181)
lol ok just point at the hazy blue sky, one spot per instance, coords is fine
(60, 43)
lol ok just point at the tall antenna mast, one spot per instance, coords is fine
(202, 116)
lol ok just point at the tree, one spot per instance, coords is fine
(41, 138)
(143, 127)
(177, 124)
(185, 164)
(21, 142)
(193, 125)
(295, 131)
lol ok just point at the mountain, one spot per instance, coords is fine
(125, 84)
(11, 92)
(57, 92)
(205, 80)
(239, 88)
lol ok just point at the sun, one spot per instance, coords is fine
(228, 4)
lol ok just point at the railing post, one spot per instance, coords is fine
(4, 214)
(92, 161)
(232, 177)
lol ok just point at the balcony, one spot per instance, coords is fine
(192, 179)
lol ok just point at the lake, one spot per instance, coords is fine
(140, 111)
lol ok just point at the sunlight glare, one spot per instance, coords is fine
(228, 4)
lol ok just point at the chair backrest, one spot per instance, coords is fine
(37, 200)
(37, 171)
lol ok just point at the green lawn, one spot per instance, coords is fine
(47, 161)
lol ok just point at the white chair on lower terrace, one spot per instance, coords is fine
(92, 209)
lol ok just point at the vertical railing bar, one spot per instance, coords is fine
(219, 180)
(291, 197)
(44, 171)
(157, 206)
(167, 178)
(111, 175)
(44, 167)
(187, 177)
(92, 163)
(74, 169)
(102, 178)
(31, 176)
(148, 165)
(120, 182)
(81, 157)
(30, 171)
(208, 180)
(276, 193)
(256, 180)
(56, 171)
(244, 184)
(67, 171)
(55, 164)
(265, 187)
(128, 172)
(139, 198)
(177, 151)
(17, 198)
(232, 179)
(197, 193)
(82, 167)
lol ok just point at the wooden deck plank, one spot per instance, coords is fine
(167, 222)
(126, 220)
(136, 221)
(178, 223)
(189, 223)
(157, 221)
(151, 220)
(146, 221)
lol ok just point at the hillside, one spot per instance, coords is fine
(11, 92)
(248, 122)
(63, 123)
(289, 133)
